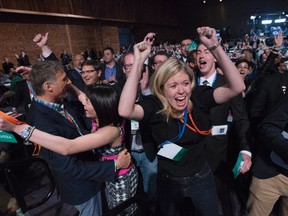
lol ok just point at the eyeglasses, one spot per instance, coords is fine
(126, 66)
(87, 71)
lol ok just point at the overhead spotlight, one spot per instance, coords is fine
(204, 1)
(280, 20)
(220, 0)
(252, 17)
(265, 22)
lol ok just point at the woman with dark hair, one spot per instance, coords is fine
(101, 105)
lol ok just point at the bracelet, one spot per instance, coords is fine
(27, 132)
(215, 46)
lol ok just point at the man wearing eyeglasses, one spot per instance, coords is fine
(91, 72)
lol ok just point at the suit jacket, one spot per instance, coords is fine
(216, 146)
(270, 133)
(22, 97)
(272, 90)
(76, 178)
(120, 76)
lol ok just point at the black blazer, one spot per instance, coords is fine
(270, 92)
(76, 178)
(270, 133)
(216, 146)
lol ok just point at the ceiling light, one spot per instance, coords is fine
(280, 20)
(264, 22)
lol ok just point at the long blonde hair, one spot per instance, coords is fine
(166, 70)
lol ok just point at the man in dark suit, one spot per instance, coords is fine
(274, 186)
(77, 177)
(216, 144)
(185, 43)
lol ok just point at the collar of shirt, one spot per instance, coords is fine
(211, 79)
(56, 106)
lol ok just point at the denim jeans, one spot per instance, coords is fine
(200, 188)
(93, 207)
(149, 173)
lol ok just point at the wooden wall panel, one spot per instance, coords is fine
(161, 12)
(81, 37)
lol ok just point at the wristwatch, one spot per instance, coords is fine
(27, 132)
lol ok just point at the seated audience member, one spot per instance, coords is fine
(6, 65)
(15, 78)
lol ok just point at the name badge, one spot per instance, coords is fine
(219, 130)
(172, 151)
(134, 125)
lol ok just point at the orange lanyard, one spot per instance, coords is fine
(194, 126)
(13, 120)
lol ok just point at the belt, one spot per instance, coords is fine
(139, 151)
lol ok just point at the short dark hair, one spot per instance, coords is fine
(190, 56)
(126, 54)
(109, 48)
(241, 60)
(42, 72)
(161, 52)
(96, 65)
(105, 100)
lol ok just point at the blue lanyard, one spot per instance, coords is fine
(181, 131)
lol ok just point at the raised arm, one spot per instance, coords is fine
(235, 84)
(127, 107)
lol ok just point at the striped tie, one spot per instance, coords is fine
(205, 83)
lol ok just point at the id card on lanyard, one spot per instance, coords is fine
(171, 150)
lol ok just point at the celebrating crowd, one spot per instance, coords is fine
(201, 130)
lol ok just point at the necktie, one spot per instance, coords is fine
(205, 83)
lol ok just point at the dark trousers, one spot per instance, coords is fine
(200, 189)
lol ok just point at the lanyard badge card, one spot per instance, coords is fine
(171, 150)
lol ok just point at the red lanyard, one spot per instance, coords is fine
(194, 126)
